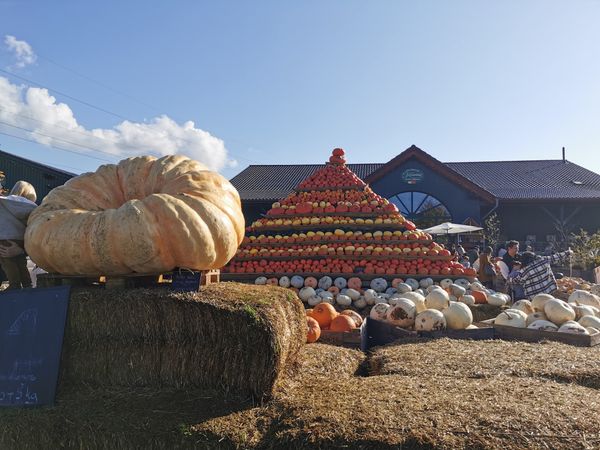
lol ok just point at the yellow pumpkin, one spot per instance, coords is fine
(141, 215)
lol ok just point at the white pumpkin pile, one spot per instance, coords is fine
(435, 311)
(580, 315)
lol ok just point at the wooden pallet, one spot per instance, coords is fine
(349, 339)
(129, 281)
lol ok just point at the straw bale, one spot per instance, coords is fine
(231, 336)
(484, 359)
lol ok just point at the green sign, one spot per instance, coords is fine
(412, 176)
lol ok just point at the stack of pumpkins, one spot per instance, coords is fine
(325, 317)
(334, 224)
(580, 315)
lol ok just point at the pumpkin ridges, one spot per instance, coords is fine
(313, 330)
(324, 313)
(342, 323)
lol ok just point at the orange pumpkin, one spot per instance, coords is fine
(313, 332)
(324, 313)
(358, 320)
(355, 283)
(311, 282)
(309, 312)
(334, 290)
(342, 323)
(480, 297)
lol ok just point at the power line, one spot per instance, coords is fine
(83, 102)
(55, 147)
(56, 138)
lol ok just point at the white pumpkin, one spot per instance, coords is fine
(430, 320)
(593, 330)
(314, 301)
(324, 294)
(437, 299)
(477, 286)
(572, 327)
(542, 325)
(306, 293)
(538, 315)
(589, 321)
(446, 283)
(343, 300)
(523, 305)
(261, 281)
(370, 296)
(496, 300)
(417, 299)
(390, 291)
(378, 311)
(558, 311)
(284, 282)
(457, 291)
(422, 292)
(595, 289)
(458, 316)
(511, 318)
(340, 283)
(583, 310)
(402, 314)
(433, 288)
(580, 297)
(325, 282)
(539, 301)
(297, 281)
(452, 298)
(426, 282)
(403, 287)
(463, 283)
(379, 284)
(414, 284)
(319, 290)
(360, 303)
(468, 300)
(353, 294)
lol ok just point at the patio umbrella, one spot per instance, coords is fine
(451, 228)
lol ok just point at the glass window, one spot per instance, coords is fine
(421, 208)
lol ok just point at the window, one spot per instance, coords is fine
(421, 208)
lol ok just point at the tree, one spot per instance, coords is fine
(491, 230)
(586, 249)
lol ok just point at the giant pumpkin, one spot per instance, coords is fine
(141, 215)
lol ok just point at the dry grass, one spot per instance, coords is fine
(233, 337)
(484, 359)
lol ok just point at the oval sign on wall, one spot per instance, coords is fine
(412, 176)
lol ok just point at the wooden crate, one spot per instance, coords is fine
(350, 339)
(381, 333)
(527, 335)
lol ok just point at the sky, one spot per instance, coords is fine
(233, 83)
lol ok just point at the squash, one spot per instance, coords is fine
(580, 297)
(306, 293)
(143, 215)
(284, 282)
(542, 325)
(354, 283)
(533, 317)
(402, 314)
(272, 282)
(589, 321)
(343, 300)
(479, 296)
(340, 283)
(511, 318)
(360, 303)
(324, 313)
(403, 288)
(370, 296)
(468, 300)
(314, 301)
(378, 284)
(559, 312)
(437, 299)
(572, 327)
(310, 282)
(430, 320)
(342, 323)
(313, 330)
(261, 281)
(417, 299)
(457, 291)
(358, 320)
(539, 301)
(458, 316)
(496, 300)
(352, 293)
(24, 189)
(426, 282)
(378, 311)
(297, 281)
(523, 305)
(325, 282)
(583, 310)
(414, 284)
(446, 283)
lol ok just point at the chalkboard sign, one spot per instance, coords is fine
(32, 324)
(186, 280)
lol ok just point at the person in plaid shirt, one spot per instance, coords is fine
(536, 277)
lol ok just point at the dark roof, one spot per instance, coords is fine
(43, 178)
(506, 180)
(274, 182)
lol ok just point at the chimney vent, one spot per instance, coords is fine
(564, 159)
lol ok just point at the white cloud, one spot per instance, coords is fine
(22, 51)
(35, 109)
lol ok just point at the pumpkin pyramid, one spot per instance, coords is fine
(334, 224)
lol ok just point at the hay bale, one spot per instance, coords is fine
(229, 336)
(484, 359)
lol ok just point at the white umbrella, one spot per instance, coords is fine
(451, 228)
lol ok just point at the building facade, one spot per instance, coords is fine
(537, 202)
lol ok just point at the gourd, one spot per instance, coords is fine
(297, 281)
(261, 281)
(358, 320)
(457, 291)
(542, 325)
(430, 320)
(379, 284)
(314, 301)
(533, 317)
(378, 311)
(580, 297)
(417, 299)
(284, 282)
(360, 303)
(340, 282)
(414, 284)
(353, 294)
(539, 301)
(558, 311)
(355, 283)
(401, 314)
(342, 323)
(403, 288)
(572, 327)
(589, 321)
(523, 305)
(310, 282)
(324, 313)
(446, 283)
(313, 330)
(325, 282)
(437, 299)
(467, 300)
(343, 300)
(494, 299)
(511, 318)
(582, 311)
(426, 282)
(306, 293)
(371, 296)
(141, 215)
(458, 316)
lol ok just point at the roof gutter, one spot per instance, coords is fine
(491, 210)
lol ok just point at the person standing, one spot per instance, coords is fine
(14, 211)
(473, 255)
(536, 276)
(486, 271)
(511, 255)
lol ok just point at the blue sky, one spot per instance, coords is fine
(278, 82)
